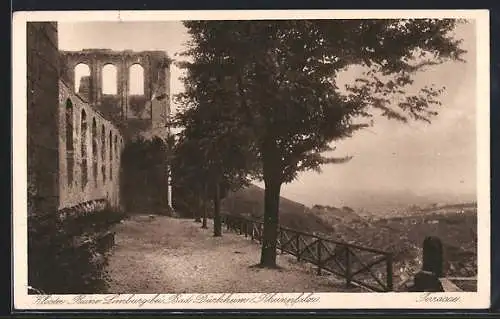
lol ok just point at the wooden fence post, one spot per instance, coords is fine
(347, 266)
(390, 286)
(297, 244)
(318, 250)
(261, 233)
(427, 278)
(281, 239)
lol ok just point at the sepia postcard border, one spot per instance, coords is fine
(462, 300)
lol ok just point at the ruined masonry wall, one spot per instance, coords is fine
(91, 153)
(62, 173)
(42, 115)
(134, 114)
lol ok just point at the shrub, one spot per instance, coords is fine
(67, 249)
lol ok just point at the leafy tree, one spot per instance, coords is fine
(283, 79)
(189, 177)
(211, 153)
(145, 177)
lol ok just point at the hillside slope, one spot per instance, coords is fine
(250, 202)
(402, 236)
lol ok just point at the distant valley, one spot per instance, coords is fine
(400, 231)
(389, 203)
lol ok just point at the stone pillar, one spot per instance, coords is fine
(147, 77)
(124, 87)
(433, 256)
(99, 155)
(88, 186)
(120, 89)
(428, 279)
(95, 80)
(64, 140)
(159, 105)
(71, 77)
(98, 83)
(425, 281)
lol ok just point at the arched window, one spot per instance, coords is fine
(103, 153)
(81, 70)
(83, 143)
(109, 79)
(136, 80)
(94, 151)
(110, 155)
(69, 141)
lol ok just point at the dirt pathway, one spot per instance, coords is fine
(167, 255)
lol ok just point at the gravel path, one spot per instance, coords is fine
(167, 255)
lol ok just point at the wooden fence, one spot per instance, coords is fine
(362, 266)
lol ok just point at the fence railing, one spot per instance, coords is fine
(362, 266)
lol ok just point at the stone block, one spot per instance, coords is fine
(425, 281)
(433, 256)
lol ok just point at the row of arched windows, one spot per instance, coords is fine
(96, 137)
(110, 78)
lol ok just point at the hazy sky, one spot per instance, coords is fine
(426, 159)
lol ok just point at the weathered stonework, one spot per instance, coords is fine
(42, 117)
(95, 150)
(76, 139)
(70, 159)
(134, 114)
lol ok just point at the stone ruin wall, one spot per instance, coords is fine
(90, 149)
(42, 117)
(134, 114)
(61, 156)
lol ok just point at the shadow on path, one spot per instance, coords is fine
(167, 255)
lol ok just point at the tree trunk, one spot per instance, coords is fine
(197, 215)
(271, 222)
(204, 220)
(217, 217)
(204, 208)
(197, 218)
